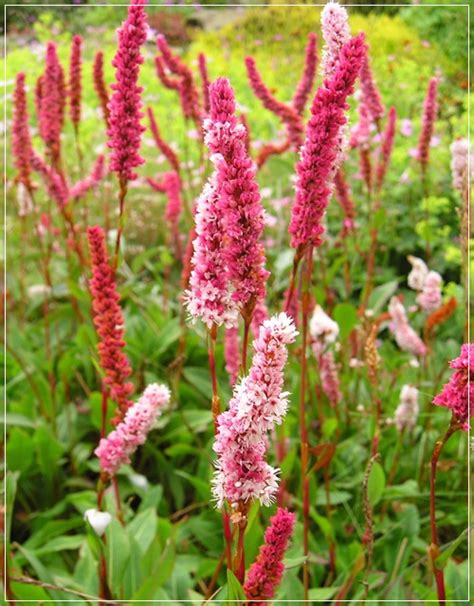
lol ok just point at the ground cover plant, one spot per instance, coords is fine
(237, 338)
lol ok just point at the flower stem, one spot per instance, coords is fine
(122, 195)
(215, 405)
(434, 547)
(304, 458)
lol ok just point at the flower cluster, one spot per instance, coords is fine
(100, 86)
(386, 147)
(57, 188)
(21, 139)
(370, 95)
(265, 574)
(405, 336)
(183, 83)
(344, 198)
(124, 107)
(170, 184)
(257, 405)
(322, 328)
(336, 33)
(232, 203)
(430, 109)
(407, 411)
(205, 81)
(53, 95)
(458, 393)
(305, 85)
(109, 323)
(164, 148)
(321, 147)
(324, 332)
(231, 353)
(287, 114)
(91, 181)
(115, 450)
(75, 84)
(427, 283)
(461, 159)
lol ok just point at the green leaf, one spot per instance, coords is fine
(61, 544)
(380, 295)
(199, 377)
(13, 419)
(143, 528)
(290, 563)
(48, 450)
(443, 558)
(322, 593)
(235, 590)
(345, 315)
(202, 487)
(117, 554)
(44, 575)
(376, 484)
(20, 450)
(160, 573)
(11, 483)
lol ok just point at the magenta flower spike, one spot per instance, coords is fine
(336, 33)
(125, 104)
(257, 405)
(57, 188)
(100, 85)
(386, 147)
(162, 145)
(458, 393)
(81, 188)
(265, 574)
(370, 94)
(238, 199)
(321, 147)
(115, 450)
(430, 110)
(209, 297)
(231, 353)
(51, 115)
(205, 80)
(306, 83)
(287, 114)
(344, 198)
(75, 84)
(21, 138)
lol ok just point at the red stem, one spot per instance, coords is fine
(122, 195)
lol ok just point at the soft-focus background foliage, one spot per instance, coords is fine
(50, 443)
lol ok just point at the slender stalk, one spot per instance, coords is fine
(216, 404)
(118, 503)
(245, 344)
(434, 547)
(304, 452)
(122, 195)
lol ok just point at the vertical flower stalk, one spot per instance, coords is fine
(109, 323)
(266, 572)
(100, 86)
(21, 138)
(456, 395)
(386, 148)
(51, 114)
(204, 80)
(462, 161)
(125, 129)
(170, 184)
(239, 204)
(161, 144)
(315, 171)
(287, 114)
(75, 89)
(257, 406)
(305, 85)
(370, 94)
(231, 353)
(430, 110)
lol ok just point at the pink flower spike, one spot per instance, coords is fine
(53, 97)
(100, 85)
(75, 84)
(115, 450)
(430, 110)
(329, 377)
(209, 296)
(205, 81)
(287, 114)
(265, 574)
(405, 336)
(370, 94)
(305, 85)
(165, 149)
(429, 298)
(81, 188)
(125, 129)
(238, 198)
(260, 314)
(461, 160)
(458, 393)
(21, 138)
(386, 147)
(336, 33)
(57, 188)
(321, 148)
(109, 323)
(344, 198)
(257, 405)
